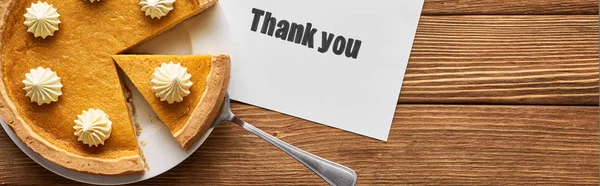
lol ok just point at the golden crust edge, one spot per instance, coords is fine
(52, 153)
(209, 106)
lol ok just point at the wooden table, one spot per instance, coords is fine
(497, 92)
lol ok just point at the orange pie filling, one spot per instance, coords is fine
(79, 52)
(139, 69)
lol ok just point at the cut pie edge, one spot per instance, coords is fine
(209, 106)
(52, 153)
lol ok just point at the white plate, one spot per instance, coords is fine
(161, 150)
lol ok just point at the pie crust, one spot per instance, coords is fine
(207, 110)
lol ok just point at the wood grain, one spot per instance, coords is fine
(504, 60)
(504, 7)
(429, 144)
(502, 52)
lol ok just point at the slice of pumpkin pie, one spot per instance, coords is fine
(186, 92)
(60, 91)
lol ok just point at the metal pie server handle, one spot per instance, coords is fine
(331, 172)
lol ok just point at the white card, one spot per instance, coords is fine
(351, 88)
(354, 90)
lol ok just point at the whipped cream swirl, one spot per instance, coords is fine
(171, 82)
(156, 8)
(93, 127)
(41, 19)
(42, 85)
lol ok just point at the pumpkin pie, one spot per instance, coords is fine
(190, 118)
(80, 54)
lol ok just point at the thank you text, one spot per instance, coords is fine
(303, 34)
